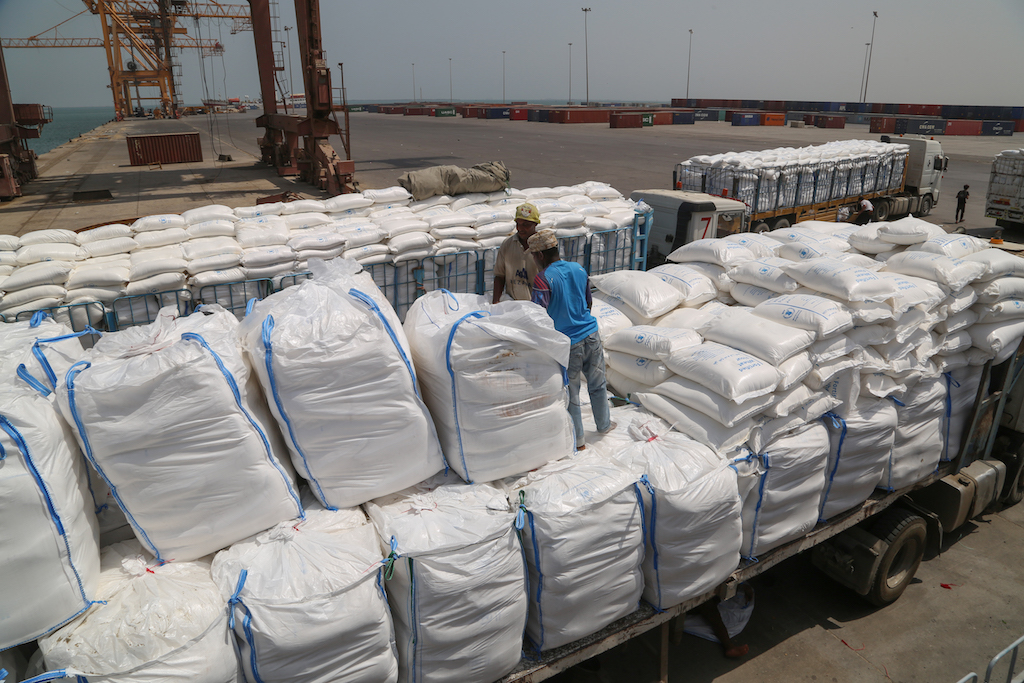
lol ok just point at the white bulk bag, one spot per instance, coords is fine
(750, 295)
(249, 235)
(458, 591)
(209, 246)
(999, 289)
(159, 622)
(50, 562)
(696, 287)
(492, 376)
(51, 236)
(49, 251)
(961, 391)
(1008, 309)
(767, 273)
(210, 212)
(1000, 263)
(157, 222)
(766, 339)
(154, 239)
(867, 239)
(685, 319)
(919, 435)
(783, 505)
(953, 246)
(822, 316)
(643, 370)
(45, 273)
(952, 273)
(721, 252)
(164, 414)
(760, 245)
(584, 544)
(733, 374)
(795, 370)
(648, 341)
(995, 337)
(860, 444)
(307, 601)
(106, 232)
(346, 202)
(840, 279)
(215, 228)
(336, 369)
(692, 511)
(394, 194)
(60, 348)
(645, 293)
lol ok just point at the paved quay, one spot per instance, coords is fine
(385, 146)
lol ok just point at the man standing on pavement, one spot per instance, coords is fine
(514, 268)
(961, 203)
(563, 288)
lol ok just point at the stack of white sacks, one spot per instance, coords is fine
(286, 478)
(216, 245)
(831, 359)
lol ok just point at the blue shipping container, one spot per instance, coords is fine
(997, 127)
(739, 119)
(682, 117)
(543, 115)
(900, 127)
(926, 126)
(497, 112)
(705, 115)
(890, 109)
(1017, 113)
(372, 108)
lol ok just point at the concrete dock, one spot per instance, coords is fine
(967, 603)
(385, 146)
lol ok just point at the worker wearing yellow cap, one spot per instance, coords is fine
(514, 267)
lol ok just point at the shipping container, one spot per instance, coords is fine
(533, 115)
(164, 148)
(679, 102)
(746, 119)
(900, 127)
(997, 127)
(926, 126)
(995, 113)
(705, 115)
(543, 114)
(883, 124)
(356, 107)
(1018, 126)
(682, 117)
(962, 127)
(419, 111)
(773, 119)
(753, 104)
(372, 108)
(824, 121)
(775, 105)
(469, 112)
(1017, 113)
(496, 113)
(809, 119)
(444, 111)
(582, 116)
(627, 120)
(519, 114)
(519, 104)
(661, 118)
(646, 119)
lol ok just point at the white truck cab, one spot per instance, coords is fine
(681, 217)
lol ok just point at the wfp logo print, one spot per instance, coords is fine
(788, 313)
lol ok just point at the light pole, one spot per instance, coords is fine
(688, 53)
(414, 81)
(863, 71)
(586, 51)
(570, 73)
(503, 77)
(288, 46)
(871, 53)
(450, 98)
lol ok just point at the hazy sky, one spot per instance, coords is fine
(926, 51)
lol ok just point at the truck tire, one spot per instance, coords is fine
(759, 227)
(905, 533)
(926, 206)
(881, 210)
(1015, 491)
(780, 224)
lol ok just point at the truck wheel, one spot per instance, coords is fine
(881, 210)
(905, 533)
(760, 226)
(926, 206)
(780, 224)
(1015, 492)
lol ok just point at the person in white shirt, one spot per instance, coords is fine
(866, 211)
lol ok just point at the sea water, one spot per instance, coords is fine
(68, 123)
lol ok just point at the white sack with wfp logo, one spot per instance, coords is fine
(646, 293)
(919, 434)
(649, 341)
(493, 377)
(859, 446)
(783, 504)
(50, 561)
(692, 511)
(335, 366)
(582, 532)
(458, 585)
(158, 622)
(307, 601)
(168, 416)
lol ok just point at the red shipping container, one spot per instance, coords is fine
(519, 114)
(164, 148)
(830, 122)
(905, 109)
(625, 120)
(735, 104)
(883, 124)
(1018, 127)
(773, 119)
(774, 105)
(662, 118)
(481, 112)
(556, 116)
(955, 127)
(808, 119)
(586, 115)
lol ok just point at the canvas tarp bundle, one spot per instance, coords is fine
(490, 176)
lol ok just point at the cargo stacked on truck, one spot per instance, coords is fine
(1005, 198)
(777, 188)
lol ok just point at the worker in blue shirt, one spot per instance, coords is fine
(563, 288)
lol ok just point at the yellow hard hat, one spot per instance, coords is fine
(528, 212)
